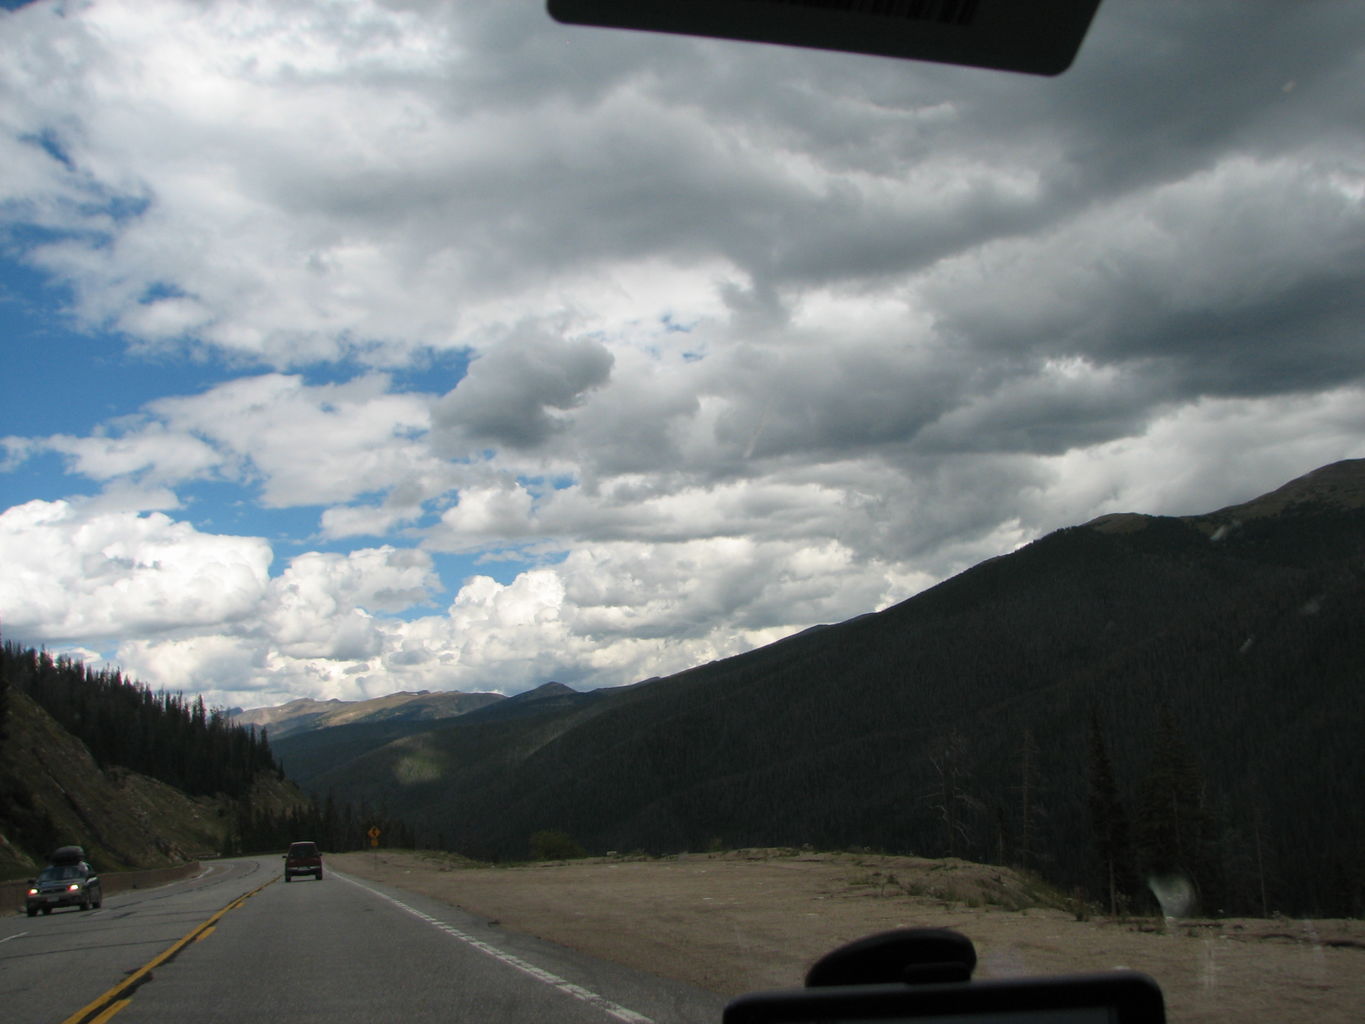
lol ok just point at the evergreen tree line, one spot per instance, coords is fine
(1172, 847)
(185, 744)
(1160, 840)
(1158, 837)
(336, 827)
(4, 707)
(121, 722)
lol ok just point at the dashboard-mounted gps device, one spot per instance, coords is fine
(920, 976)
(1113, 997)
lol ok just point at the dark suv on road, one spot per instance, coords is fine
(302, 859)
(67, 882)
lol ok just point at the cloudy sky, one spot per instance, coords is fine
(356, 346)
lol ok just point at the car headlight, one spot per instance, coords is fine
(33, 892)
(74, 887)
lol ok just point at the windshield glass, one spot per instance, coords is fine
(60, 873)
(364, 355)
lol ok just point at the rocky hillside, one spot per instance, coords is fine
(52, 793)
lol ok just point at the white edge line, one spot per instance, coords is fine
(602, 1003)
(17, 935)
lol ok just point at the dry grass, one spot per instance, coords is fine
(743, 920)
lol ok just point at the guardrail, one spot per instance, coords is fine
(12, 892)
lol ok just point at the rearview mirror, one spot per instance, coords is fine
(1041, 37)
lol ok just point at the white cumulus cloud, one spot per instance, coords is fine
(74, 574)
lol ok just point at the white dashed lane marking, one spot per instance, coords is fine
(602, 1003)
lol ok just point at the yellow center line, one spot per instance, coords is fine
(105, 1006)
(113, 1009)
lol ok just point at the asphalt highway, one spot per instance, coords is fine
(246, 947)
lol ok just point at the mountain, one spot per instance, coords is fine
(54, 793)
(145, 779)
(315, 756)
(1209, 666)
(305, 714)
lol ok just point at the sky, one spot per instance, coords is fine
(355, 347)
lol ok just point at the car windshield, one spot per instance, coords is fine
(364, 355)
(62, 872)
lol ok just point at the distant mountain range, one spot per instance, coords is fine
(306, 714)
(1219, 657)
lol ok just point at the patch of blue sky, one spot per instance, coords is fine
(503, 565)
(434, 370)
(672, 326)
(118, 208)
(50, 144)
(538, 486)
(429, 372)
(90, 209)
(74, 379)
(454, 570)
(215, 506)
(159, 290)
(289, 531)
(559, 482)
(40, 476)
(457, 569)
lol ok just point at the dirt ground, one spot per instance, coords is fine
(755, 919)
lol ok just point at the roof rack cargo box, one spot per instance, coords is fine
(67, 855)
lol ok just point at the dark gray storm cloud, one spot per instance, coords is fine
(1239, 281)
(889, 165)
(1167, 206)
(512, 393)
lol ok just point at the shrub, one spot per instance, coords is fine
(552, 844)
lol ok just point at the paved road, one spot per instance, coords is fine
(340, 950)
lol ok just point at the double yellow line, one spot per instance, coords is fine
(103, 1008)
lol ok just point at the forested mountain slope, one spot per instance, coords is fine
(140, 779)
(54, 793)
(1135, 696)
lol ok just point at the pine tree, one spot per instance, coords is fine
(4, 700)
(1172, 832)
(1108, 823)
(949, 796)
(1027, 853)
